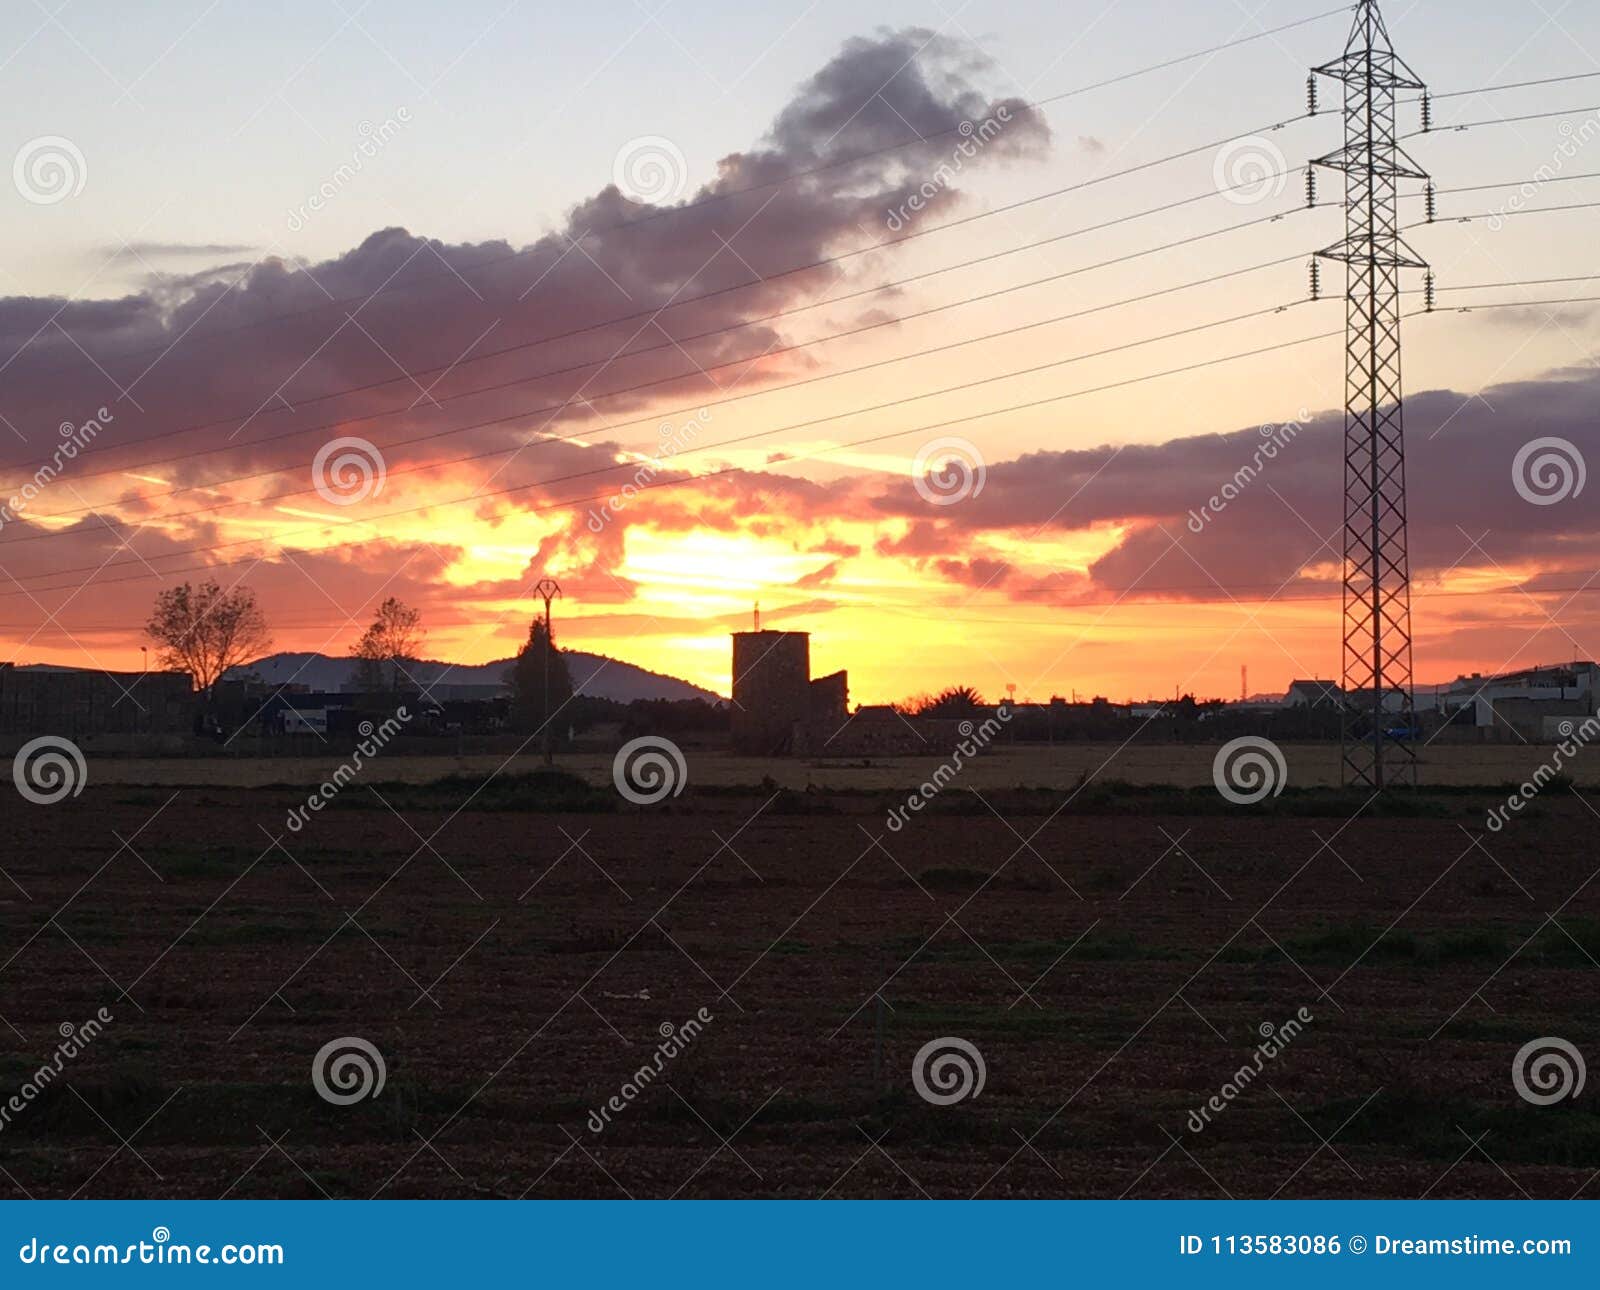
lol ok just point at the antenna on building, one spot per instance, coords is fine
(758, 615)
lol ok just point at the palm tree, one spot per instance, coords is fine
(957, 701)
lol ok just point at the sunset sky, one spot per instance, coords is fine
(366, 221)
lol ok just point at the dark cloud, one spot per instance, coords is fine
(1538, 318)
(975, 573)
(172, 250)
(450, 305)
(239, 347)
(818, 577)
(1251, 509)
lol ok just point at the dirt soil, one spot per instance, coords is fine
(1113, 966)
(1062, 767)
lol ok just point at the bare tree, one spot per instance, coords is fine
(205, 630)
(393, 640)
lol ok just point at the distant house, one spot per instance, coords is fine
(1524, 701)
(877, 730)
(77, 703)
(293, 712)
(1314, 695)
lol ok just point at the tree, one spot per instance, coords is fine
(393, 640)
(957, 701)
(529, 709)
(205, 630)
(914, 705)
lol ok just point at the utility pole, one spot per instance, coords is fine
(1377, 580)
(548, 589)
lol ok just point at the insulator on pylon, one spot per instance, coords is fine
(1429, 298)
(1316, 279)
(1427, 112)
(1311, 95)
(1430, 199)
(1311, 187)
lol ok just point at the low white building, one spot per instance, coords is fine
(1563, 683)
(1314, 694)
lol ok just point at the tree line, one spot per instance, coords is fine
(207, 630)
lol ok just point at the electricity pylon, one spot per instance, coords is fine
(1377, 584)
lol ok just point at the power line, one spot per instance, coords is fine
(676, 342)
(652, 313)
(1505, 120)
(1495, 89)
(1504, 214)
(1521, 304)
(1518, 85)
(1179, 594)
(763, 434)
(701, 370)
(690, 409)
(729, 194)
(1376, 569)
(1489, 286)
(479, 497)
(1511, 183)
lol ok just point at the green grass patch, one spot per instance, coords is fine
(553, 792)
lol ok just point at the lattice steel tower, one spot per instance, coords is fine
(1377, 585)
